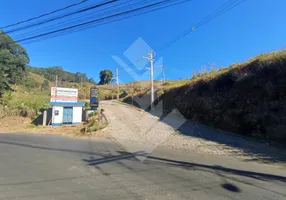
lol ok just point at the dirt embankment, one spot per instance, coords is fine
(247, 98)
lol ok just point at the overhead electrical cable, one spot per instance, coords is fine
(62, 16)
(97, 20)
(174, 3)
(45, 14)
(83, 17)
(223, 9)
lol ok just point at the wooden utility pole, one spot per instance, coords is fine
(117, 82)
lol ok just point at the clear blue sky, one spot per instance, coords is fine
(254, 27)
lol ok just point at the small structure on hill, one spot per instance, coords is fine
(65, 107)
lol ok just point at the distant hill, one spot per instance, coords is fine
(50, 73)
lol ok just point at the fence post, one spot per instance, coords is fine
(44, 118)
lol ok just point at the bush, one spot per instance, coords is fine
(95, 125)
(92, 114)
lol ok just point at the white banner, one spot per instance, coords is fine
(64, 94)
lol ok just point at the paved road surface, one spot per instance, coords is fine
(54, 167)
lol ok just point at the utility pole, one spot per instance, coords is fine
(117, 82)
(56, 88)
(81, 81)
(53, 118)
(163, 74)
(150, 58)
(132, 92)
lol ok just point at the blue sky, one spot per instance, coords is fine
(254, 27)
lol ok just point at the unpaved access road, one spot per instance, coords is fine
(138, 130)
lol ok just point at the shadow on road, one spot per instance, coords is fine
(228, 176)
(123, 155)
(48, 148)
(182, 164)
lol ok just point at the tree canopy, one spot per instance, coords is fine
(13, 61)
(105, 76)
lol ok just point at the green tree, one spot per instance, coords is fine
(13, 61)
(105, 77)
(45, 85)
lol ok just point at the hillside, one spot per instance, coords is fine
(50, 73)
(247, 98)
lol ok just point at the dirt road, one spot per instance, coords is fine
(140, 130)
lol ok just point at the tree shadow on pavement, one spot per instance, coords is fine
(48, 148)
(95, 159)
(229, 177)
(152, 160)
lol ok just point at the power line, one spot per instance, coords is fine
(103, 23)
(223, 9)
(115, 20)
(98, 20)
(63, 16)
(46, 14)
(67, 22)
(212, 13)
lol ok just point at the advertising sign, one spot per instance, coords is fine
(94, 98)
(64, 94)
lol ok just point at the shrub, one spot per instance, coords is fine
(95, 125)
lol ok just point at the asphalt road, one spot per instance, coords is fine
(54, 167)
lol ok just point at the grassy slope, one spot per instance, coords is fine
(248, 98)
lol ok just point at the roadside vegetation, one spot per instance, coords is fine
(25, 90)
(95, 121)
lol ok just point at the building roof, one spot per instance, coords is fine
(67, 103)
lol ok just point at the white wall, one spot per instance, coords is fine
(77, 115)
(59, 118)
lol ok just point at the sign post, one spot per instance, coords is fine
(94, 98)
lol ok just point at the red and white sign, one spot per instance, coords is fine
(64, 94)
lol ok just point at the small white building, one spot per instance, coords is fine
(66, 113)
(66, 109)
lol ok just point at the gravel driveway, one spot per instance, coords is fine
(138, 130)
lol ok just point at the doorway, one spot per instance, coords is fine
(67, 115)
